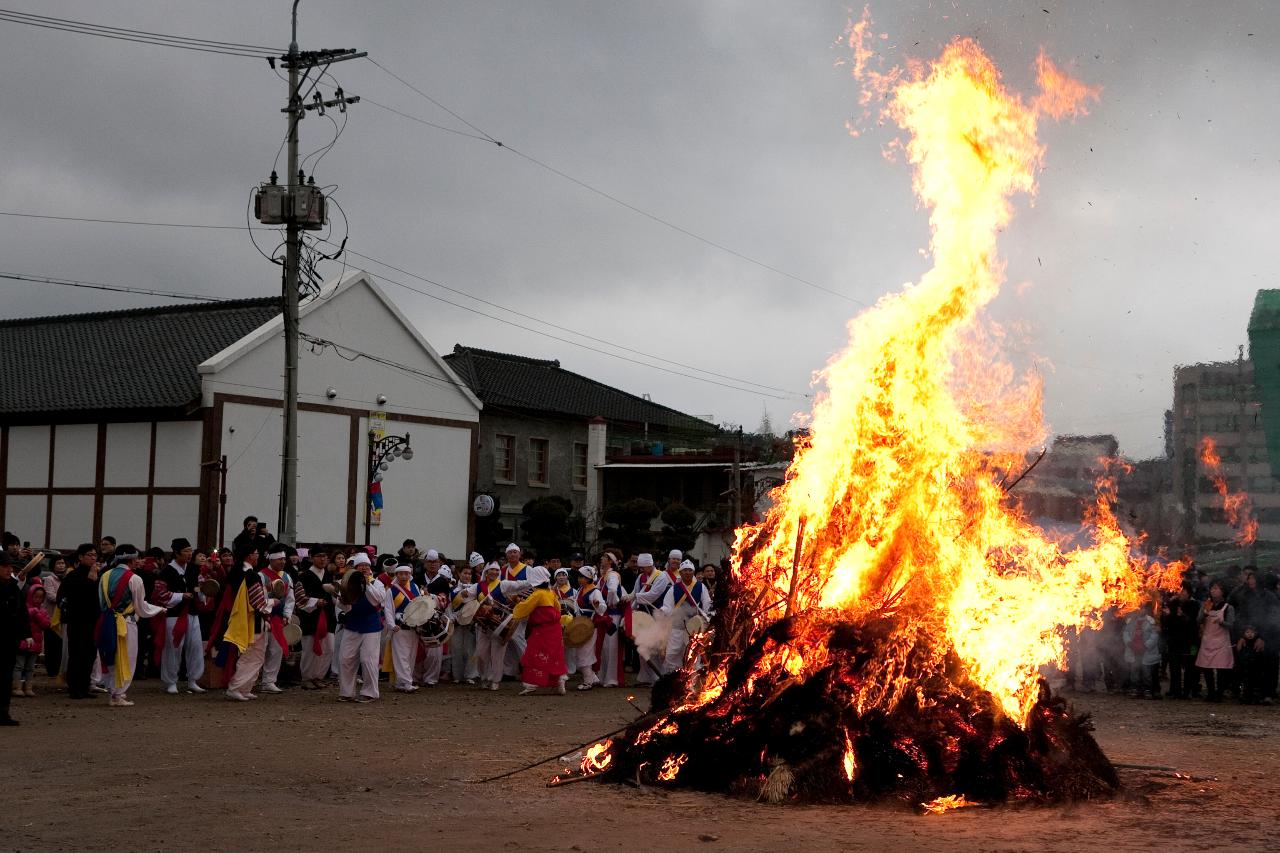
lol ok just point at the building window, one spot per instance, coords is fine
(504, 458)
(579, 465)
(539, 450)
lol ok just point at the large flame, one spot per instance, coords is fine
(1235, 505)
(897, 501)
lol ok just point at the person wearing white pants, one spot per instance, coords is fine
(279, 617)
(404, 640)
(362, 635)
(313, 601)
(491, 648)
(182, 639)
(564, 592)
(685, 599)
(610, 642)
(247, 625)
(122, 598)
(651, 589)
(590, 603)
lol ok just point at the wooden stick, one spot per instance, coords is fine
(562, 752)
(795, 567)
(1030, 468)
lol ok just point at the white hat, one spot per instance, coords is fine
(360, 558)
(645, 561)
(404, 568)
(587, 572)
(445, 572)
(432, 554)
(494, 566)
(608, 555)
(688, 564)
(475, 561)
(560, 572)
(538, 575)
(512, 547)
(676, 554)
(276, 555)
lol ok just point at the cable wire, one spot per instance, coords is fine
(138, 36)
(115, 288)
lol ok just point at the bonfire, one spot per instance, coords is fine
(892, 613)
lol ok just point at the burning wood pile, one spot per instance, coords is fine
(891, 614)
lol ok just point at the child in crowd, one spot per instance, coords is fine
(1142, 653)
(25, 665)
(1249, 660)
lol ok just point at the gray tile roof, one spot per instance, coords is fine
(139, 358)
(505, 381)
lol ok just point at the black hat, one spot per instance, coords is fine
(178, 544)
(577, 555)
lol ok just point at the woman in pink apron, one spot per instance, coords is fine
(1215, 658)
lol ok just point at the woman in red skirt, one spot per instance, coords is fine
(542, 664)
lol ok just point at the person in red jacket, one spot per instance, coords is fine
(29, 650)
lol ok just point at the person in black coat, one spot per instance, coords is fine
(14, 628)
(1182, 636)
(78, 598)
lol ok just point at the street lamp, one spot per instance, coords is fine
(382, 452)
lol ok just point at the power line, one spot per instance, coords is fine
(424, 279)
(116, 288)
(488, 137)
(138, 36)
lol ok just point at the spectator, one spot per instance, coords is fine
(1215, 660)
(1248, 665)
(53, 637)
(1142, 654)
(14, 629)
(78, 598)
(33, 646)
(1181, 633)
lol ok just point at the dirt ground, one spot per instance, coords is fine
(302, 771)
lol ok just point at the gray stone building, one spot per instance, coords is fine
(547, 431)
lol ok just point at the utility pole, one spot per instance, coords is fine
(299, 206)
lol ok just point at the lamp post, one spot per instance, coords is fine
(382, 452)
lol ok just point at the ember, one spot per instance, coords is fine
(891, 613)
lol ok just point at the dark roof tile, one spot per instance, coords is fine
(138, 358)
(502, 380)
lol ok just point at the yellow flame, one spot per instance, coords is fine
(897, 497)
(849, 760)
(671, 767)
(946, 804)
(598, 757)
(1235, 505)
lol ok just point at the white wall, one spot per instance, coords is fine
(251, 442)
(72, 519)
(75, 458)
(25, 514)
(125, 517)
(29, 459)
(323, 446)
(178, 453)
(173, 516)
(128, 458)
(355, 318)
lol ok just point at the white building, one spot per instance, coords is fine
(116, 422)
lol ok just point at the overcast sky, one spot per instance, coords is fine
(1154, 225)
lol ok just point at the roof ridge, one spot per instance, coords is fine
(145, 310)
(459, 349)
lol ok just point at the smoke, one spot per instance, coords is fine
(651, 636)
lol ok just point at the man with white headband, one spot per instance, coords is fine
(686, 599)
(590, 603)
(281, 613)
(122, 598)
(651, 589)
(404, 640)
(609, 643)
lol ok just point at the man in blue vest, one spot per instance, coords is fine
(362, 632)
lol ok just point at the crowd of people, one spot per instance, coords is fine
(261, 616)
(1217, 636)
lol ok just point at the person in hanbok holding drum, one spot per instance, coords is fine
(688, 604)
(591, 603)
(462, 645)
(542, 664)
(281, 587)
(492, 620)
(404, 638)
(515, 569)
(647, 597)
(1215, 658)
(313, 602)
(609, 642)
(568, 608)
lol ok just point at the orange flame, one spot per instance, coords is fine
(945, 804)
(1236, 505)
(896, 499)
(671, 767)
(597, 758)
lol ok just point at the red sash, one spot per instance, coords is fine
(276, 623)
(322, 631)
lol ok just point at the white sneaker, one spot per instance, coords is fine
(98, 688)
(471, 681)
(585, 686)
(560, 687)
(269, 688)
(192, 687)
(120, 702)
(237, 697)
(493, 686)
(528, 688)
(171, 689)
